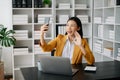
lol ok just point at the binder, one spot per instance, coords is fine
(14, 3)
(24, 3)
(35, 3)
(39, 3)
(29, 3)
(19, 3)
(117, 2)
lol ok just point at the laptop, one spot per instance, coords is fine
(56, 65)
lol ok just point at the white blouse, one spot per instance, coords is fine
(68, 49)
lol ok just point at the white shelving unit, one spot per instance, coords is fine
(106, 29)
(32, 26)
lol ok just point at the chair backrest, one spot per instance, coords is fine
(52, 52)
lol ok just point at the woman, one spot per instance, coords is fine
(71, 45)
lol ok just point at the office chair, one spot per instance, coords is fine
(52, 52)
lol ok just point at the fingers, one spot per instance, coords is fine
(44, 28)
(77, 34)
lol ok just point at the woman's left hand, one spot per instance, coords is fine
(77, 40)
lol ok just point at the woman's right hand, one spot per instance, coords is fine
(43, 29)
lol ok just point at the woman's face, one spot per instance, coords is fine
(71, 27)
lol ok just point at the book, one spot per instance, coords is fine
(35, 3)
(117, 2)
(39, 3)
(29, 3)
(24, 3)
(19, 3)
(14, 3)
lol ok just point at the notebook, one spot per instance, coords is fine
(56, 65)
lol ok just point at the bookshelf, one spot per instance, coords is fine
(27, 19)
(106, 42)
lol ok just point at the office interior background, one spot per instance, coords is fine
(100, 20)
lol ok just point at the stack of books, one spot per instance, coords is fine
(63, 18)
(83, 18)
(111, 34)
(41, 18)
(37, 34)
(64, 5)
(81, 6)
(20, 50)
(111, 3)
(98, 20)
(61, 30)
(110, 20)
(37, 49)
(98, 46)
(21, 34)
(108, 51)
(118, 55)
(20, 19)
(100, 31)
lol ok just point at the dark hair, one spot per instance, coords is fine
(79, 24)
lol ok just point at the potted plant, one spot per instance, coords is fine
(47, 3)
(6, 38)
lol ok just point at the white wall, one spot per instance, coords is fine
(6, 20)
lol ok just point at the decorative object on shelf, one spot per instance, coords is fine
(6, 38)
(47, 3)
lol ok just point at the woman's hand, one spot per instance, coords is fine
(43, 29)
(77, 40)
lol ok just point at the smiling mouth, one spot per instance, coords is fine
(69, 32)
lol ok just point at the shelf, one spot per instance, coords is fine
(41, 23)
(117, 24)
(23, 54)
(48, 38)
(108, 24)
(109, 40)
(24, 24)
(99, 8)
(82, 8)
(38, 23)
(104, 55)
(108, 56)
(98, 23)
(42, 8)
(98, 53)
(60, 23)
(97, 37)
(108, 7)
(22, 8)
(63, 9)
(87, 37)
(117, 6)
(29, 39)
(117, 42)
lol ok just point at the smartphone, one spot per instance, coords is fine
(47, 19)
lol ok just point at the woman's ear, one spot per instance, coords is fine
(78, 29)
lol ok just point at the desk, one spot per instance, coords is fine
(105, 71)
